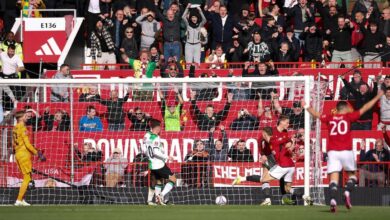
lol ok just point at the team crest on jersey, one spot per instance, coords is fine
(156, 143)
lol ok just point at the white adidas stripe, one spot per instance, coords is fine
(48, 48)
(54, 46)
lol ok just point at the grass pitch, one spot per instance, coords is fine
(184, 212)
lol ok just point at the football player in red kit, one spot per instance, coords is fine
(340, 152)
(280, 148)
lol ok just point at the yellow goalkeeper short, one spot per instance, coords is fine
(24, 162)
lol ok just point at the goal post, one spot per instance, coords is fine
(208, 179)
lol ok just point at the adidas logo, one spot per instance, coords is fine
(49, 48)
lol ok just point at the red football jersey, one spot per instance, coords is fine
(278, 144)
(268, 122)
(265, 148)
(339, 130)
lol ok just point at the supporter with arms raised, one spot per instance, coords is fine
(219, 148)
(139, 120)
(340, 154)
(143, 68)
(115, 114)
(90, 122)
(374, 172)
(102, 44)
(150, 27)
(23, 151)
(239, 153)
(295, 114)
(209, 119)
(363, 96)
(312, 39)
(33, 118)
(373, 43)
(171, 30)
(355, 83)
(60, 121)
(193, 24)
(222, 27)
(268, 117)
(261, 70)
(171, 111)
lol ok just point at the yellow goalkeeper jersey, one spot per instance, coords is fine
(21, 142)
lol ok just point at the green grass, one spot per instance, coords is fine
(181, 212)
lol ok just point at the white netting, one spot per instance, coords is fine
(100, 159)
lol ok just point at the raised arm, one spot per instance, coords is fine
(204, 20)
(184, 17)
(311, 110)
(194, 107)
(163, 104)
(225, 111)
(371, 103)
(141, 17)
(211, 138)
(260, 108)
(276, 103)
(350, 88)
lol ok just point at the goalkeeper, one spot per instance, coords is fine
(23, 150)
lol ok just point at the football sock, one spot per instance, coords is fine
(157, 189)
(333, 190)
(253, 178)
(150, 193)
(167, 188)
(24, 186)
(266, 190)
(351, 184)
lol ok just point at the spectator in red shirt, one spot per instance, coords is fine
(267, 114)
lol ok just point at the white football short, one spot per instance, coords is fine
(279, 172)
(339, 160)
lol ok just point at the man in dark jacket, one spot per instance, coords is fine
(355, 84)
(139, 120)
(362, 96)
(209, 119)
(236, 52)
(245, 121)
(222, 27)
(116, 116)
(239, 153)
(60, 121)
(171, 33)
(313, 43)
(373, 43)
(301, 14)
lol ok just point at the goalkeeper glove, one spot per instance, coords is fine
(41, 156)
